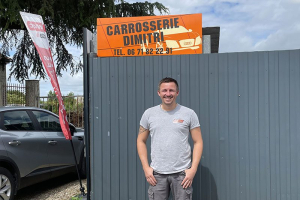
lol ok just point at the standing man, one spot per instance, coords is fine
(169, 125)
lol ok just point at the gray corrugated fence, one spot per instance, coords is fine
(248, 106)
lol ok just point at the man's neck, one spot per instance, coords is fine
(168, 107)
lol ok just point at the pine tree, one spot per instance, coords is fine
(64, 20)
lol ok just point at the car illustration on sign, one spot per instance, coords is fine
(176, 39)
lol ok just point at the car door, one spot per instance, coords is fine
(25, 145)
(60, 153)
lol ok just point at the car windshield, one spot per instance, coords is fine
(171, 31)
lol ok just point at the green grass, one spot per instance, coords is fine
(76, 198)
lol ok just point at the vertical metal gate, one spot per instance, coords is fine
(248, 106)
(14, 94)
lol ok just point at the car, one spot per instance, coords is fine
(33, 148)
(175, 39)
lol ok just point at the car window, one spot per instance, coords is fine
(17, 121)
(47, 121)
(177, 30)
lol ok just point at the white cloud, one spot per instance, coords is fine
(67, 84)
(245, 26)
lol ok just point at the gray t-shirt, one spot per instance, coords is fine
(169, 131)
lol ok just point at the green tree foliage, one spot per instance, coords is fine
(73, 105)
(64, 21)
(15, 97)
(50, 103)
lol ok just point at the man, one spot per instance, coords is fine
(169, 125)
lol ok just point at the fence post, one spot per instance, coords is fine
(32, 93)
(2, 84)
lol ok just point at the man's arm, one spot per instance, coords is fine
(197, 152)
(142, 151)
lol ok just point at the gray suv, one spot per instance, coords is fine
(33, 149)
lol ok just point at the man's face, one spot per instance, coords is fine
(168, 93)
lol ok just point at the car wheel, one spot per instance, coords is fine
(7, 185)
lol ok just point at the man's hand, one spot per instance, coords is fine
(149, 176)
(197, 152)
(189, 176)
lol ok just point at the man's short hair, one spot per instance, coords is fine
(168, 80)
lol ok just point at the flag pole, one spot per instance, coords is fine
(74, 155)
(37, 31)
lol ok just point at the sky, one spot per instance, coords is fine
(245, 26)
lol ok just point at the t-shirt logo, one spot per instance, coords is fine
(178, 121)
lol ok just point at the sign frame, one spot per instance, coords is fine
(149, 35)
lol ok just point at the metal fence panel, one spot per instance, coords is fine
(248, 107)
(13, 94)
(73, 105)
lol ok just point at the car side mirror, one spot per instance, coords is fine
(72, 129)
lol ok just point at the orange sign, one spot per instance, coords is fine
(149, 36)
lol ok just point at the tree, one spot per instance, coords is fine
(51, 102)
(64, 20)
(15, 97)
(73, 106)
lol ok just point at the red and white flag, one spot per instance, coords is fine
(36, 28)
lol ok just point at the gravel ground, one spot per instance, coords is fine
(60, 188)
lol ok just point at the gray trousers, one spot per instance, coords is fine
(167, 183)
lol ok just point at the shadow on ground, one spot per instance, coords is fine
(42, 189)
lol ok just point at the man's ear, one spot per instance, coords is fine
(158, 93)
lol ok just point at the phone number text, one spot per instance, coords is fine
(148, 51)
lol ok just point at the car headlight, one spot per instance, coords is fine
(172, 44)
(198, 40)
